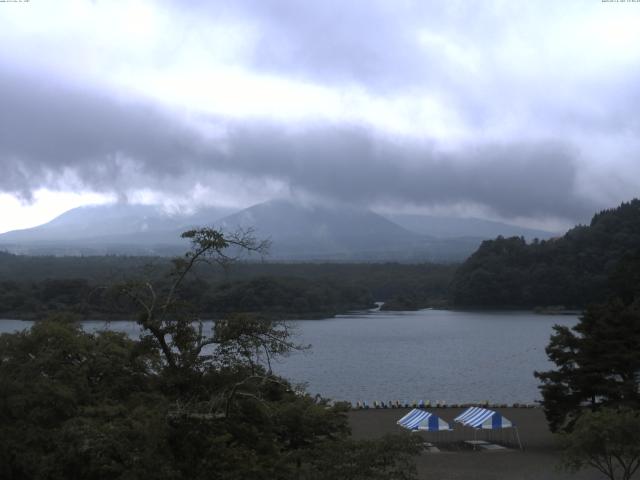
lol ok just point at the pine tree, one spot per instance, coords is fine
(598, 360)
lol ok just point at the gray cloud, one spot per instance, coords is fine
(486, 60)
(51, 130)
(369, 42)
(542, 124)
(356, 165)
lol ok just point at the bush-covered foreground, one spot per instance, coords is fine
(79, 406)
(179, 403)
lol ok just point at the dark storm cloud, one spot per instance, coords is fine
(355, 165)
(49, 129)
(116, 146)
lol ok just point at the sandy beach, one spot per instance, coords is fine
(538, 460)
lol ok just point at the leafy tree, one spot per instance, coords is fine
(179, 403)
(607, 440)
(598, 360)
(75, 405)
(391, 458)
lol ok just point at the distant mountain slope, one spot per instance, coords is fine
(340, 233)
(451, 227)
(116, 228)
(297, 233)
(570, 271)
(316, 230)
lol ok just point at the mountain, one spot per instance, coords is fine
(115, 228)
(572, 270)
(302, 231)
(451, 227)
(299, 232)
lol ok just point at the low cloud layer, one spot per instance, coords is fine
(56, 134)
(521, 111)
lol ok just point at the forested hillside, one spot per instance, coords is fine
(571, 271)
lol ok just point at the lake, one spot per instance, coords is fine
(436, 355)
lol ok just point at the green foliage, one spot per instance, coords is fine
(33, 287)
(391, 458)
(180, 403)
(571, 271)
(598, 360)
(294, 291)
(251, 341)
(69, 400)
(75, 405)
(608, 440)
(292, 297)
(287, 296)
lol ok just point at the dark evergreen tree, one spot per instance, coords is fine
(570, 271)
(598, 360)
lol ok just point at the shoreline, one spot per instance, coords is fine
(375, 405)
(103, 317)
(530, 421)
(290, 316)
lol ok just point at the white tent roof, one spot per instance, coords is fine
(423, 420)
(478, 417)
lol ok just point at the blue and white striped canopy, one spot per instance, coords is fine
(423, 420)
(478, 417)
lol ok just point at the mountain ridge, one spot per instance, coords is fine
(452, 227)
(298, 232)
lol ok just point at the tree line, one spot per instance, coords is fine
(570, 271)
(281, 296)
(31, 287)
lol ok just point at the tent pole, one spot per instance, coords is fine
(518, 437)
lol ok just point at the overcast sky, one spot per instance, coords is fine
(515, 110)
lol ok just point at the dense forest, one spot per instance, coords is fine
(178, 403)
(570, 271)
(31, 287)
(267, 295)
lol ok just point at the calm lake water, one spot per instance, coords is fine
(436, 355)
